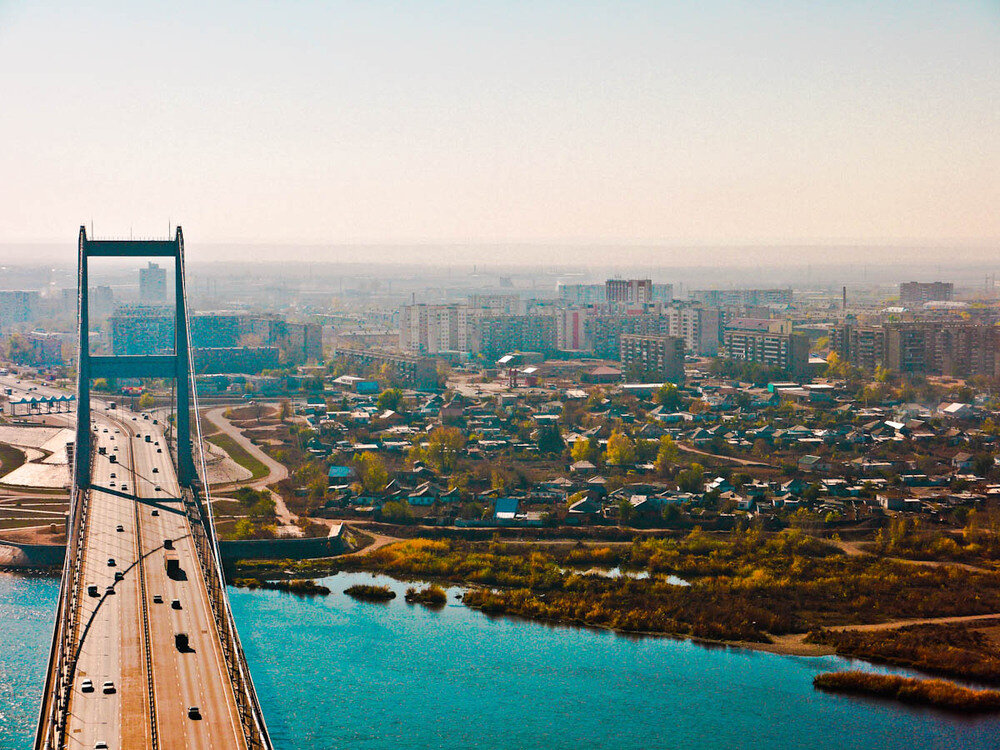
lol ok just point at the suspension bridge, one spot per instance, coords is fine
(144, 652)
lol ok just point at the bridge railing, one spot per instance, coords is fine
(63, 652)
(247, 704)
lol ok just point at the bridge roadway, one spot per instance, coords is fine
(125, 634)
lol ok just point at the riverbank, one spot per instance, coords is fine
(748, 590)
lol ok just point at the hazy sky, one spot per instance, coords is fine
(368, 121)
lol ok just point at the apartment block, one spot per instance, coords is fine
(582, 294)
(653, 358)
(496, 335)
(629, 291)
(918, 292)
(571, 329)
(698, 326)
(788, 351)
(152, 284)
(862, 346)
(934, 348)
(18, 306)
(431, 329)
(407, 369)
(742, 297)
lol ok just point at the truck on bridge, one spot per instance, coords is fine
(172, 565)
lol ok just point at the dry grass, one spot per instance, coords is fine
(936, 693)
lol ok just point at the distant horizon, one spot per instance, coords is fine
(601, 123)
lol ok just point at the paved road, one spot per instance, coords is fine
(117, 645)
(275, 471)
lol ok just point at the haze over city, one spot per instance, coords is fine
(671, 125)
(446, 375)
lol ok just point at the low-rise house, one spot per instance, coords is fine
(812, 463)
(962, 461)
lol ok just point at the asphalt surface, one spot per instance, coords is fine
(120, 644)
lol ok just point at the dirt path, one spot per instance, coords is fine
(380, 541)
(893, 624)
(854, 549)
(732, 459)
(275, 471)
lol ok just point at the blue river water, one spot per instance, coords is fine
(332, 672)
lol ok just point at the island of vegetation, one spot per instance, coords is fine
(433, 595)
(935, 693)
(302, 586)
(370, 593)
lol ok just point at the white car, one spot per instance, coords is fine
(109, 687)
(87, 686)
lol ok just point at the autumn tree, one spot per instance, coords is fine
(443, 447)
(667, 455)
(584, 449)
(620, 450)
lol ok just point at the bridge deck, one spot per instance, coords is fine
(127, 634)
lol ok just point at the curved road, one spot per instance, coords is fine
(276, 471)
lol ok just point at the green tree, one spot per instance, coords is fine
(397, 512)
(668, 396)
(390, 398)
(691, 478)
(146, 401)
(549, 439)
(371, 472)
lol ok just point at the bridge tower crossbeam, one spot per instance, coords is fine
(174, 366)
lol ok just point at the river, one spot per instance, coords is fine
(332, 672)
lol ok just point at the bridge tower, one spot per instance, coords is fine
(176, 366)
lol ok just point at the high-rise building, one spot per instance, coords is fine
(18, 306)
(698, 326)
(496, 335)
(653, 358)
(152, 284)
(431, 329)
(862, 346)
(742, 297)
(571, 329)
(918, 292)
(141, 329)
(751, 341)
(582, 294)
(938, 348)
(629, 291)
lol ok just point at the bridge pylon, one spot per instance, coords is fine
(176, 366)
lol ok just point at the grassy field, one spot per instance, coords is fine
(239, 454)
